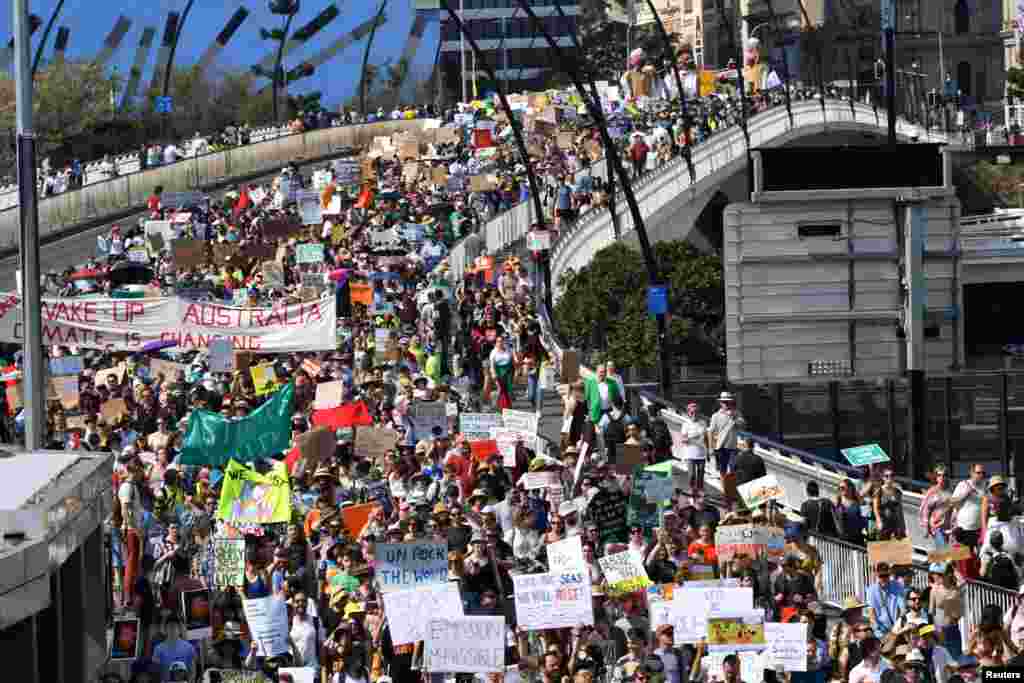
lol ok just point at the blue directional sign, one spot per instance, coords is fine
(657, 300)
(163, 104)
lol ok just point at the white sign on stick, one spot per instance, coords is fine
(466, 645)
(410, 611)
(566, 556)
(787, 646)
(268, 624)
(546, 601)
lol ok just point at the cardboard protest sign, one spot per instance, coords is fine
(758, 492)
(624, 572)
(410, 611)
(317, 446)
(507, 441)
(248, 497)
(950, 554)
(168, 369)
(482, 183)
(465, 645)
(740, 539)
(268, 623)
(570, 366)
(521, 420)
(195, 612)
(736, 633)
(329, 395)
(375, 442)
(113, 410)
(898, 552)
(566, 556)
(228, 562)
(786, 646)
(548, 601)
(188, 253)
(404, 566)
(360, 293)
(566, 140)
(478, 426)
(438, 175)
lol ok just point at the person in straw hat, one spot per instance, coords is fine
(723, 431)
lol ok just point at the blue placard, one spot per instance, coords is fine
(163, 104)
(657, 300)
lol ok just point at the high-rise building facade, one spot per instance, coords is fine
(518, 54)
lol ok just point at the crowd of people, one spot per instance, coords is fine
(373, 478)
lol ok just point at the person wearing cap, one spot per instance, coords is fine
(723, 431)
(886, 600)
(936, 658)
(675, 661)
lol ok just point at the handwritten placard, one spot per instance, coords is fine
(410, 611)
(228, 562)
(624, 572)
(758, 492)
(268, 624)
(566, 556)
(403, 566)
(547, 601)
(786, 646)
(478, 426)
(465, 645)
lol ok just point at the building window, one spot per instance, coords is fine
(688, 6)
(908, 16)
(962, 17)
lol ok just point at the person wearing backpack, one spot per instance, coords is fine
(997, 567)
(818, 512)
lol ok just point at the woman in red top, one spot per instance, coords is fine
(153, 203)
(705, 544)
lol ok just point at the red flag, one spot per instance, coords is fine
(348, 415)
(291, 459)
(365, 199)
(243, 202)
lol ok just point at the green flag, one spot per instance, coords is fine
(213, 440)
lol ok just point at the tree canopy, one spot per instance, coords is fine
(603, 307)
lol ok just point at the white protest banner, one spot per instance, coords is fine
(465, 645)
(478, 426)
(427, 416)
(222, 355)
(130, 324)
(787, 646)
(691, 607)
(410, 611)
(520, 420)
(240, 676)
(546, 601)
(566, 556)
(401, 566)
(268, 624)
(624, 572)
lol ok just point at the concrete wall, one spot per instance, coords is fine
(124, 192)
(791, 300)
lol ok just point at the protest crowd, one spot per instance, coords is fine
(330, 467)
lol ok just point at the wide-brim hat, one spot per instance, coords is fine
(478, 493)
(851, 602)
(726, 396)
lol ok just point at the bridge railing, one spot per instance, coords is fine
(670, 185)
(128, 193)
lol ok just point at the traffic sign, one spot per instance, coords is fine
(163, 104)
(657, 300)
(862, 456)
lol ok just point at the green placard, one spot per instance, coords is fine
(861, 456)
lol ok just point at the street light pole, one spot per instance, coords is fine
(28, 213)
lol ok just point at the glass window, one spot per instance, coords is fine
(962, 17)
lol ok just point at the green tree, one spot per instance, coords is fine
(1015, 81)
(603, 308)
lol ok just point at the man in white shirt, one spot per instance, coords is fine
(966, 501)
(872, 667)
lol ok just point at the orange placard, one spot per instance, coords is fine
(355, 517)
(708, 83)
(361, 293)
